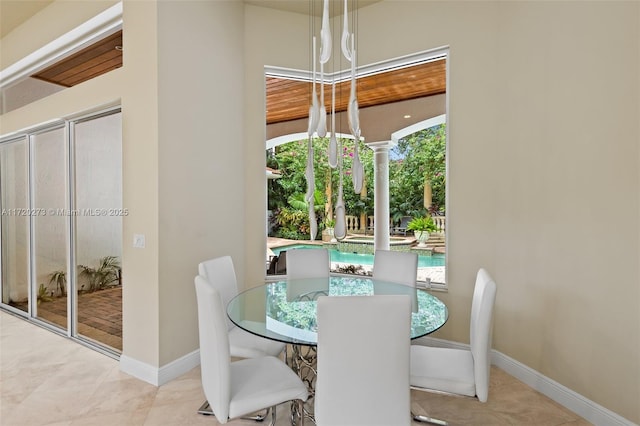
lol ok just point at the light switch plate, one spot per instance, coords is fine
(138, 240)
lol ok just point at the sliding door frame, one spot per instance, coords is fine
(70, 224)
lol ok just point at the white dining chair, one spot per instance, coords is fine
(459, 371)
(221, 274)
(363, 361)
(396, 267)
(308, 263)
(235, 389)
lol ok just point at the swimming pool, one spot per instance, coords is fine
(362, 259)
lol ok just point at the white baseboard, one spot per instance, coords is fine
(585, 408)
(159, 376)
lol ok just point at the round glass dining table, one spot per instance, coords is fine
(286, 310)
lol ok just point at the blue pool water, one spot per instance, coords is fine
(363, 259)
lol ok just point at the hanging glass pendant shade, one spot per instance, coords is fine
(333, 140)
(318, 123)
(310, 172)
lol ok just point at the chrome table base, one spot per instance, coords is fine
(427, 419)
(303, 362)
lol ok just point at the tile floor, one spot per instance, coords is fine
(46, 379)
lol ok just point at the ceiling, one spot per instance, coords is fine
(286, 100)
(314, 6)
(290, 99)
(14, 12)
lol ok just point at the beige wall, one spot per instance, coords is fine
(201, 162)
(544, 171)
(140, 267)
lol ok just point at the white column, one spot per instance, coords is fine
(381, 193)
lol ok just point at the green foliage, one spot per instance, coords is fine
(298, 202)
(424, 223)
(292, 224)
(418, 157)
(287, 193)
(59, 278)
(43, 294)
(107, 274)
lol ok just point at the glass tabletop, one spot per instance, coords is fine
(286, 310)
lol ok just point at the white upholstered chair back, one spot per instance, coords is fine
(308, 263)
(484, 296)
(396, 266)
(363, 361)
(222, 275)
(215, 360)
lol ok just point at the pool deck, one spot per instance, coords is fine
(435, 273)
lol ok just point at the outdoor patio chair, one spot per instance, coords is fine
(402, 227)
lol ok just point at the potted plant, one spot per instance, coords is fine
(105, 275)
(59, 280)
(421, 226)
(329, 224)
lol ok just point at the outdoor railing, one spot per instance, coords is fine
(353, 224)
(440, 222)
(356, 226)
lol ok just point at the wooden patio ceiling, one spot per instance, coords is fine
(101, 57)
(290, 99)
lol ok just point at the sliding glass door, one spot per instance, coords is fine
(14, 224)
(49, 225)
(61, 227)
(97, 149)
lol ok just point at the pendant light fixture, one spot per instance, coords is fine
(318, 119)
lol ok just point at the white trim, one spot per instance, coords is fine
(294, 137)
(362, 71)
(585, 408)
(179, 367)
(160, 376)
(425, 124)
(101, 25)
(139, 370)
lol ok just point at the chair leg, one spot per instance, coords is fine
(205, 409)
(273, 416)
(426, 419)
(258, 417)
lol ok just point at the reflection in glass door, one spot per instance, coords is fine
(98, 212)
(14, 224)
(61, 227)
(49, 226)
